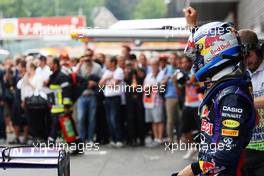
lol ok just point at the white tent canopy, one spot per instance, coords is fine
(150, 23)
(162, 35)
(166, 29)
(4, 52)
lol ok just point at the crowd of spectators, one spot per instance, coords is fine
(125, 100)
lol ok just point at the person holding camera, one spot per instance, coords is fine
(134, 78)
(193, 98)
(172, 94)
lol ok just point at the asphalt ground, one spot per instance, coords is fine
(108, 161)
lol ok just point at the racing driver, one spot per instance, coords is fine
(227, 112)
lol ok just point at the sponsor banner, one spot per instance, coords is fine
(9, 28)
(22, 28)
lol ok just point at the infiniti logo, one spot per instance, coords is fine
(228, 140)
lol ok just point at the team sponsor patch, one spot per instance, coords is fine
(205, 166)
(232, 109)
(210, 40)
(205, 111)
(231, 123)
(216, 170)
(220, 48)
(228, 140)
(226, 132)
(207, 127)
(231, 115)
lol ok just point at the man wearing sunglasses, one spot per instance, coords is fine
(91, 72)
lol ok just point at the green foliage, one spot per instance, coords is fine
(37, 8)
(150, 9)
(122, 9)
(11, 8)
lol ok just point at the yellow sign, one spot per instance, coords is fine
(9, 27)
(231, 123)
(226, 132)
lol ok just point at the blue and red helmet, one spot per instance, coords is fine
(213, 47)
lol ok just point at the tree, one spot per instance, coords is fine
(12, 8)
(150, 9)
(122, 9)
(42, 8)
(87, 7)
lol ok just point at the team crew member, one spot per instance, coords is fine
(254, 162)
(227, 111)
(60, 96)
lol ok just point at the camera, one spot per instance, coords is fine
(180, 77)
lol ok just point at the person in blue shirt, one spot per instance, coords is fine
(172, 97)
